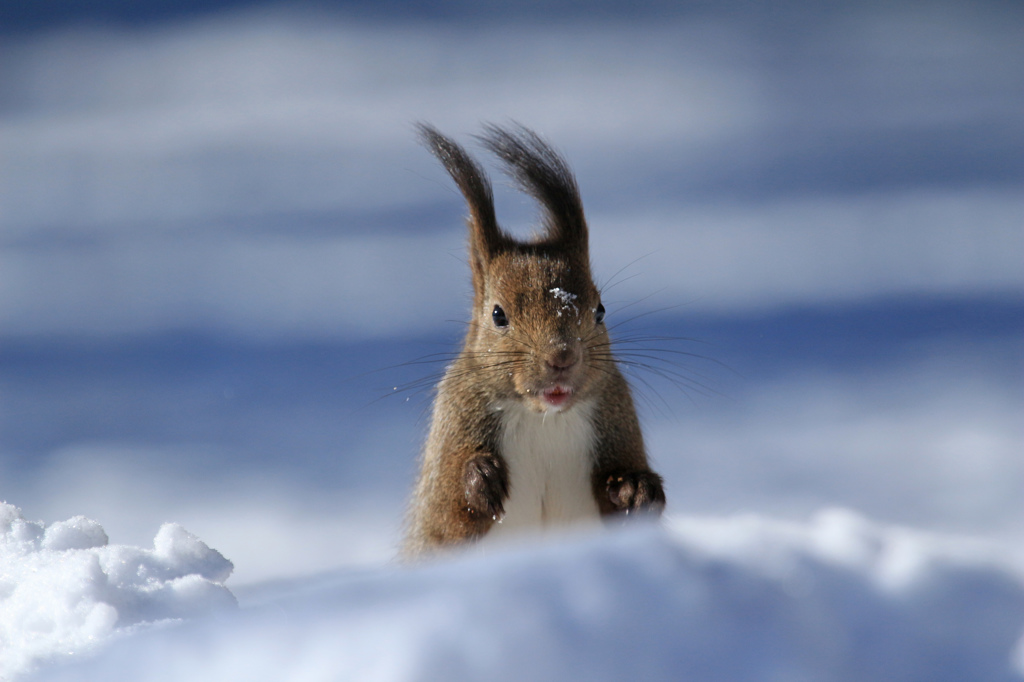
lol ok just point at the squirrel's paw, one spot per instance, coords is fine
(486, 480)
(639, 491)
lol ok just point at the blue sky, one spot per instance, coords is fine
(216, 226)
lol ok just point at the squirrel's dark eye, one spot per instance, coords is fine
(498, 315)
(599, 314)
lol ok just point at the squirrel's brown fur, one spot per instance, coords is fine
(536, 346)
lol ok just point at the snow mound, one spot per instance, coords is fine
(739, 599)
(65, 592)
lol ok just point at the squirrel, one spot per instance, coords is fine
(533, 424)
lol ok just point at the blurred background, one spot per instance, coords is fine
(221, 246)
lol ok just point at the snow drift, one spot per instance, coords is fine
(738, 598)
(64, 591)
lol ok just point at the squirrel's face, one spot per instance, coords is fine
(537, 334)
(540, 329)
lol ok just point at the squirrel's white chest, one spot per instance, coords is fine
(550, 459)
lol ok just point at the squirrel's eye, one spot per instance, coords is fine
(599, 314)
(498, 315)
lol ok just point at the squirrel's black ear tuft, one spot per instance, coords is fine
(543, 174)
(486, 237)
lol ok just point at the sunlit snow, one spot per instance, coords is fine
(717, 598)
(216, 226)
(64, 591)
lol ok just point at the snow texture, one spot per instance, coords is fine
(729, 598)
(567, 299)
(208, 225)
(65, 592)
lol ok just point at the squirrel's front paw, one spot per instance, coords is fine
(486, 480)
(639, 491)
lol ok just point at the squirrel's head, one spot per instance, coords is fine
(537, 333)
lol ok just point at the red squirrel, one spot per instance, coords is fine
(533, 424)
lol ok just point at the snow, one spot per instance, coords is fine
(64, 591)
(210, 225)
(113, 169)
(567, 299)
(742, 597)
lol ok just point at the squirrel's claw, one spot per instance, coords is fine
(639, 491)
(486, 480)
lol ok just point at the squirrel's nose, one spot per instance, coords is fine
(563, 359)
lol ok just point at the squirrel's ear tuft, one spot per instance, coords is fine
(543, 174)
(486, 237)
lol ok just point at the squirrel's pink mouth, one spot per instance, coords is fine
(557, 396)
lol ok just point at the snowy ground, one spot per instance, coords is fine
(65, 591)
(728, 598)
(216, 227)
